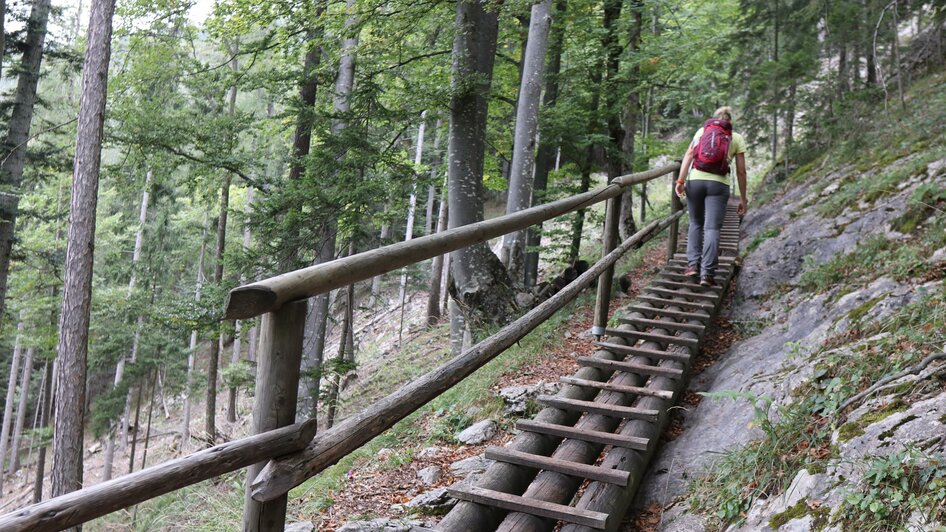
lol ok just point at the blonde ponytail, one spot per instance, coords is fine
(723, 113)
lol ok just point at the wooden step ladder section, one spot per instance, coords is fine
(639, 371)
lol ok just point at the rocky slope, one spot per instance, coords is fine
(835, 292)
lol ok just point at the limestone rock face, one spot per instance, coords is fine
(790, 328)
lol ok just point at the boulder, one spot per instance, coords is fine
(473, 464)
(517, 397)
(301, 526)
(433, 501)
(430, 475)
(478, 433)
(385, 525)
(429, 452)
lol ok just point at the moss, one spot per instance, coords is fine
(849, 431)
(942, 419)
(890, 432)
(821, 516)
(799, 510)
(865, 307)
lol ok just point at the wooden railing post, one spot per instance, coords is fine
(277, 385)
(675, 205)
(610, 241)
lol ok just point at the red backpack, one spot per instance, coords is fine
(712, 153)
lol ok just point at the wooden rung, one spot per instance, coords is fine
(644, 352)
(517, 503)
(662, 324)
(691, 286)
(594, 436)
(565, 467)
(577, 405)
(636, 390)
(675, 303)
(630, 367)
(684, 279)
(653, 337)
(678, 314)
(678, 293)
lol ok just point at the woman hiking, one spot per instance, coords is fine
(714, 147)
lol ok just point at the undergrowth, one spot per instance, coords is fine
(797, 436)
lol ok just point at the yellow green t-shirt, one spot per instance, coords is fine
(737, 145)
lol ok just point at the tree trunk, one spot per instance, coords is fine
(632, 113)
(21, 411)
(11, 395)
(316, 326)
(437, 266)
(430, 224)
(579, 224)
(480, 284)
(545, 157)
(120, 367)
(409, 226)
(346, 352)
(134, 430)
(144, 453)
(13, 150)
(774, 103)
(527, 124)
(376, 280)
(43, 422)
(214, 358)
(868, 43)
(895, 45)
(238, 336)
(80, 246)
(192, 350)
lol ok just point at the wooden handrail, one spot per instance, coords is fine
(88, 503)
(269, 294)
(299, 455)
(281, 475)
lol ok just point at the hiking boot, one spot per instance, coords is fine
(707, 280)
(692, 273)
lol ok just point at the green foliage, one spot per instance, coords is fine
(893, 488)
(241, 375)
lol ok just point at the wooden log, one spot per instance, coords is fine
(631, 367)
(678, 314)
(611, 387)
(681, 303)
(506, 501)
(623, 412)
(106, 497)
(690, 286)
(643, 177)
(678, 293)
(654, 337)
(658, 354)
(277, 389)
(606, 438)
(697, 328)
(263, 296)
(278, 477)
(565, 467)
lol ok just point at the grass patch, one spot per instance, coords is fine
(761, 237)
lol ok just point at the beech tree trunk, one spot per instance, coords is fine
(632, 112)
(409, 226)
(43, 422)
(21, 411)
(480, 285)
(11, 396)
(133, 356)
(527, 125)
(238, 336)
(192, 350)
(895, 45)
(437, 266)
(316, 324)
(210, 426)
(13, 149)
(545, 157)
(80, 246)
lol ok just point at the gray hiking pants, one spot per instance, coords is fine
(706, 203)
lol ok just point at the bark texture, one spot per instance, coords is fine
(481, 285)
(11, 395)
(527, 125)
(80, 248)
